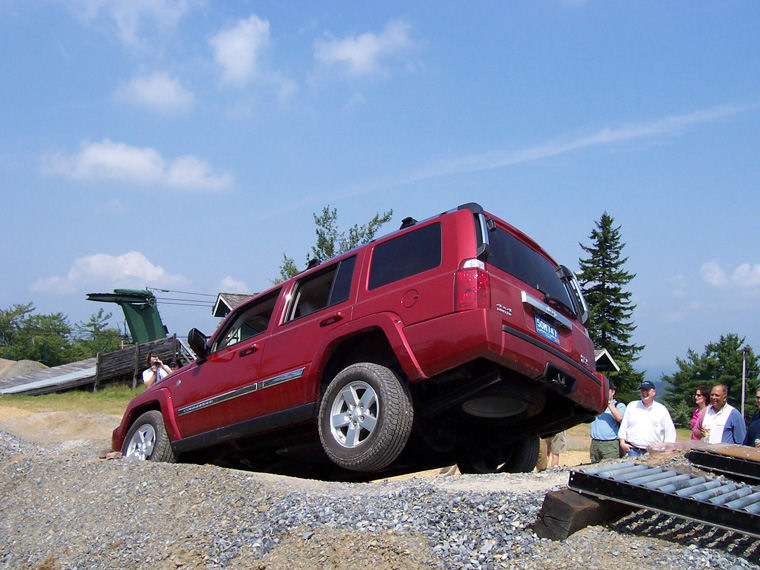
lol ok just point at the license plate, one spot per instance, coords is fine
(546, 330)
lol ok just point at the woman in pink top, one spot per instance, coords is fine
(702, 399)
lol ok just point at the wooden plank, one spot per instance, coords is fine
(566, 511)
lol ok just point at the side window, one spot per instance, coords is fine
(406, 255)
(322, 289)
(249, 322)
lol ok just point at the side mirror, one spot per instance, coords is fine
(198, 342)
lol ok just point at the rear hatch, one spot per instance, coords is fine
(537, 297)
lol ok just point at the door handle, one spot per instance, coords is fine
(331, 320)
(247, 351)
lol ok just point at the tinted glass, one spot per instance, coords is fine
(327, 287)
(342, 285)
(406, 255)
(511, 255)
(249, 321)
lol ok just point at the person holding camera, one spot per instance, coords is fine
(156, 370)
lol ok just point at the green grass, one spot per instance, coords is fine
(683, 434)
(111, 400)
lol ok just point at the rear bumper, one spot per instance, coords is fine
(484, 334)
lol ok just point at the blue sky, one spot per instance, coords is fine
(185, 144)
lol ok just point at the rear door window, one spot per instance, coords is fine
(321, 289)
(406, 255)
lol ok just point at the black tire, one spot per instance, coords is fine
(524, 455)
(365, 417)
(519, 457)
(147, 439)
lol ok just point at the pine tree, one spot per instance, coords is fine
(720, 363)
(604, 279)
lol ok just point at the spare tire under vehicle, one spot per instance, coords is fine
(365, 417)
(520, 457)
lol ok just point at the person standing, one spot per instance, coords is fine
(753, 432)
(702, 399)
(645, 423)
(722, 422)
(604, 430)
(156, 370)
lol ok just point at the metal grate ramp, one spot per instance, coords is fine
(733, 461)
(712, 501)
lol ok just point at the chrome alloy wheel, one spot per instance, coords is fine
(142, 443)
(354, 413)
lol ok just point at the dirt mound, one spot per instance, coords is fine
(52, 428)
(11, 368)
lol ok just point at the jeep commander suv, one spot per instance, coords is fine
(453, 340)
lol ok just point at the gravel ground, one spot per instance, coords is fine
(62, 507)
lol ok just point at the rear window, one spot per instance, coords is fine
(406, 255)
(513, 256)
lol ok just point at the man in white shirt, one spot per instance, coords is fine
(645, 423)
(722, 422)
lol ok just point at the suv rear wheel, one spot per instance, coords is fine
(365, 417)
(520, 457)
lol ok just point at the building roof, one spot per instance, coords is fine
(604, 361)
(225, 302)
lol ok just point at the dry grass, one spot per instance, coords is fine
(111, 401)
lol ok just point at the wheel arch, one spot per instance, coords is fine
(159, 400)
(369, 345)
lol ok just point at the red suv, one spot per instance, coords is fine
(456, 339)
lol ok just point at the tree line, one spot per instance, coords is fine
(51, 338)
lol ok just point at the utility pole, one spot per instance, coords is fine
(745, 350)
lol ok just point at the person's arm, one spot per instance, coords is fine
(623, 433)
(670, 429)
(149, 377)
(697, 429)
(616, 413)
(737, 430)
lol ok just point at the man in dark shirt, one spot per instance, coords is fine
(753, 431)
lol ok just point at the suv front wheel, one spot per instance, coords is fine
(365, 417)
(147, 439)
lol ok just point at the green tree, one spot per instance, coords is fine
(50, 338)
(27, 336)
(95, 336)
(604, 280)
(720, 363)
(331, 241)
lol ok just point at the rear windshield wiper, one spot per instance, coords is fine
(552, 300)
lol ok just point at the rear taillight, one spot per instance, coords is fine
(472, 288)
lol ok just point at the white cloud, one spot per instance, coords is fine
(679, 285)
(239, 49)
(157, 92)
(671, 126)
(230, 285)
(111, 161)
(129, 270)
(745, 277)
(363, 54)
(132, 18)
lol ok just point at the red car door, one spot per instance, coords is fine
(223, 389)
